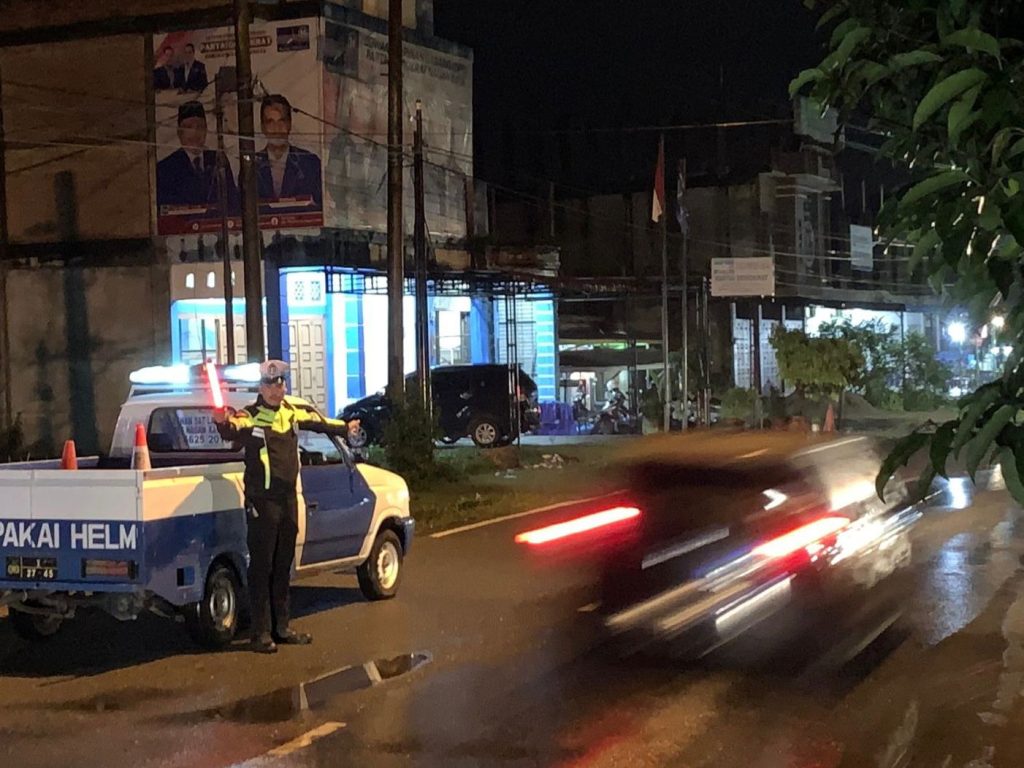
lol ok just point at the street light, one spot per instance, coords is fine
(998, 322)
(957, 332)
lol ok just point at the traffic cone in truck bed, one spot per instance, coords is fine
(140, 456)
(69, 458)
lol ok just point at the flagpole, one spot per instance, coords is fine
(667, 381)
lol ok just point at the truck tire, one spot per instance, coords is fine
(381, 574)
(485, 432)
(213, 621)
(34, 627)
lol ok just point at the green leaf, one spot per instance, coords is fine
(1000, 142)
(1013, 216)
(944, 91)
(983, 398)
(960, 114)
(805, 77)
(913, 59)
(1011, 475)
(1016, 149)
(931, 185)
(841, 30)
(975, 40)
(989, 219)
(831, 15)
(850, 42)
(872, 72)
(1012, 187)
(900, 455)
(957, 7)
(924, 484)
(983, 440)
(939, 451)
(923, 247)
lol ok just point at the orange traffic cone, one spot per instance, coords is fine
(140, 456)
(830, 420)
(69, 458)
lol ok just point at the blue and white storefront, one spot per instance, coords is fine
(333, 328)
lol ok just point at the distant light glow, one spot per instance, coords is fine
(998, 322)
(579, 525)
(957, 332)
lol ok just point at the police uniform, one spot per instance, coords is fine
(270, 438)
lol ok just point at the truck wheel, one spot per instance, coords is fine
(34, 626)
(213, 621)
(485, 432)
(380, 575)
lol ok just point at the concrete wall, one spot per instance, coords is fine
(76, 334)
(77, 107)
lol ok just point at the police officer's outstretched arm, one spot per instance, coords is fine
(311, 421)
(233, 425)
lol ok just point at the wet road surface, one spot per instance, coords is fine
(487, 660)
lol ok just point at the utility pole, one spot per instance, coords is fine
(5, 324)
(223, 86)
(684, 226)
(396, 241)
(667, 383)
(251, 239)
(420, 250)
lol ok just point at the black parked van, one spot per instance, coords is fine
(475, 401)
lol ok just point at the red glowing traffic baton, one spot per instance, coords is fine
(215, 390)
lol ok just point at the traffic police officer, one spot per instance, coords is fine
(268, 429)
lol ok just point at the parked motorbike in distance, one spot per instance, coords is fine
(615, 418)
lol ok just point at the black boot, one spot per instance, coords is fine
(263, 644)
(290, 637)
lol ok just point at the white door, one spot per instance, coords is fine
(222, 342)
(307, 352)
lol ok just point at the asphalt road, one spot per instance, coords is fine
(485, 659)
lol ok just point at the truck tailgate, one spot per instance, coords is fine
(59, 527)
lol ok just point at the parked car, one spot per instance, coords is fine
(474, 401)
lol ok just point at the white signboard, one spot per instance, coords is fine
(200, 431)
(862, 246)
(743, 277)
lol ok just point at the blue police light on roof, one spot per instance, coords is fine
(161, 374)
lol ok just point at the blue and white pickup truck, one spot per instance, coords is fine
(172, 539)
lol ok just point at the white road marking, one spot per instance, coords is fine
(302, 742)
(527, 513)
(305, 739)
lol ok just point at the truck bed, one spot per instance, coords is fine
(116, 529)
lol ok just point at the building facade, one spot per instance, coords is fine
(121, 169)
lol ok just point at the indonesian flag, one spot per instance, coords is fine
(658, 199)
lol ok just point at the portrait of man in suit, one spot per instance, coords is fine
(188, 176)
(193, 72)
(166, 76)
(283, 169)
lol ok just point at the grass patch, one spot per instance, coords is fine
(474, 485)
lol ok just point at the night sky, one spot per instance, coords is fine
(543, 66)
